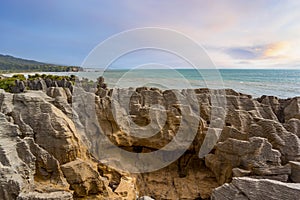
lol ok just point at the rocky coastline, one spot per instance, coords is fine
(43, 155)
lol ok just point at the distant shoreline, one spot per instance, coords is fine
(257, 82)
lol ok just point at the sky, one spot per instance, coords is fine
(234, 33)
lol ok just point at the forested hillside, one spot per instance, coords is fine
(13, 64)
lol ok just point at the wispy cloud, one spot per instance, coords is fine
(243, 53)
(268, 51)
(277, 50)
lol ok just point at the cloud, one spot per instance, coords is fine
(277, 50)
(243, 53)
(243, 33)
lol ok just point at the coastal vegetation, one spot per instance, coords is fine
(6, 83)
(51, 77)
(10, 64)
(19, 83)
(9, 83)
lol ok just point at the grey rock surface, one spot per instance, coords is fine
(245, 188)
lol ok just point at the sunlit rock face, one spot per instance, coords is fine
(49, 150)
(42, 156)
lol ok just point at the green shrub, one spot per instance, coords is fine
(7, 83)
(21, 77)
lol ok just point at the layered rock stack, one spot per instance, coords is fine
(40, 84)
(43, 154)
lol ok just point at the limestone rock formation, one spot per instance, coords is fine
(45, 196)
(255, 153)
(292, 110)
(295, 171)
(187, 178)
(253, 143)
(12, 167)
(245, 188)
(50, 144)
(41, 153)
(83, 179)
(293, 126)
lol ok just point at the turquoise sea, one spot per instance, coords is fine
(280, 83)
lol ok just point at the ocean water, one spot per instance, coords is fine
(280, 83)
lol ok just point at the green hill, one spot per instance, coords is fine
(13, 64)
